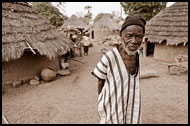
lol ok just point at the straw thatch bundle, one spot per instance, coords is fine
(73, 22)
(106, 23)
(170, 25)
(24, 29)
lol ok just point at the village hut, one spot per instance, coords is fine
(102, 28)
(29, 43)
(167, 33)
(73, 26)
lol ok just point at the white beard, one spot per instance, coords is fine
(130, 53)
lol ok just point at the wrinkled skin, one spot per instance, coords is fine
(132, 37)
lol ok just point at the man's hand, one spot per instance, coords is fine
(100, 85)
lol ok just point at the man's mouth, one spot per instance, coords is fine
(132, 48)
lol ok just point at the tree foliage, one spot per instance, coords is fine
(51, 13)
(146, 9)
(88, 17)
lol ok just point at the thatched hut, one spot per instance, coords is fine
(73, 26)
(167, 33)
(29, 43)
(103, 27)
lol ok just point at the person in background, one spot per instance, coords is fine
(74, 38)
(86, 44)
(118, 72)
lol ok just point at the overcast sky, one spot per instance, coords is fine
(77, 8)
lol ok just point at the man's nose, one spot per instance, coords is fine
(133, 40)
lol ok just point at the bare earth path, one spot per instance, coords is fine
(72, 99)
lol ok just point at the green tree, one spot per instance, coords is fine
(88, 17)
(146, 9)
(51, 13)
(60, 6)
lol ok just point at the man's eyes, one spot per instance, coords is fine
(128, 35)
(137, 36)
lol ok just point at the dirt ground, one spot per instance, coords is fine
(72, 99)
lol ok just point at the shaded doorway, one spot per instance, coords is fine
(92, 34)
(150, 49)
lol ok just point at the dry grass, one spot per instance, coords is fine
(22, 25)
(170, 24)
(106, 23)
(74, 22)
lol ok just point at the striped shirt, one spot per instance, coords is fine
(119, 100)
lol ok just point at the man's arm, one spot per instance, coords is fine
(100, 85)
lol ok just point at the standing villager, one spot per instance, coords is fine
(86, 44)
(118, 72)
(79, 45)
(73, 50)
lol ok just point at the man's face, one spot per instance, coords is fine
(132, 37)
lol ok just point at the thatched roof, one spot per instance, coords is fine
(24, 29)
(106, 23)
(74, 22)
(170, 25)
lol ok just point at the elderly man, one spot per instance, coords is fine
(119, 100)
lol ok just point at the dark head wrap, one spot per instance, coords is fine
(133, 20)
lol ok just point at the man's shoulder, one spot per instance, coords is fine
(109, 53)
(112, 50)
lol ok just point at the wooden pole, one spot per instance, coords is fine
(80, 46)
(30, 47)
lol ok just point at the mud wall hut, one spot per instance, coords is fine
(167, 33)
(29, 43)
(103, 28)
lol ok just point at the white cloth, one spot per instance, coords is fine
(85, 41)
(119, 100)
(74, 36)
(85, 37)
